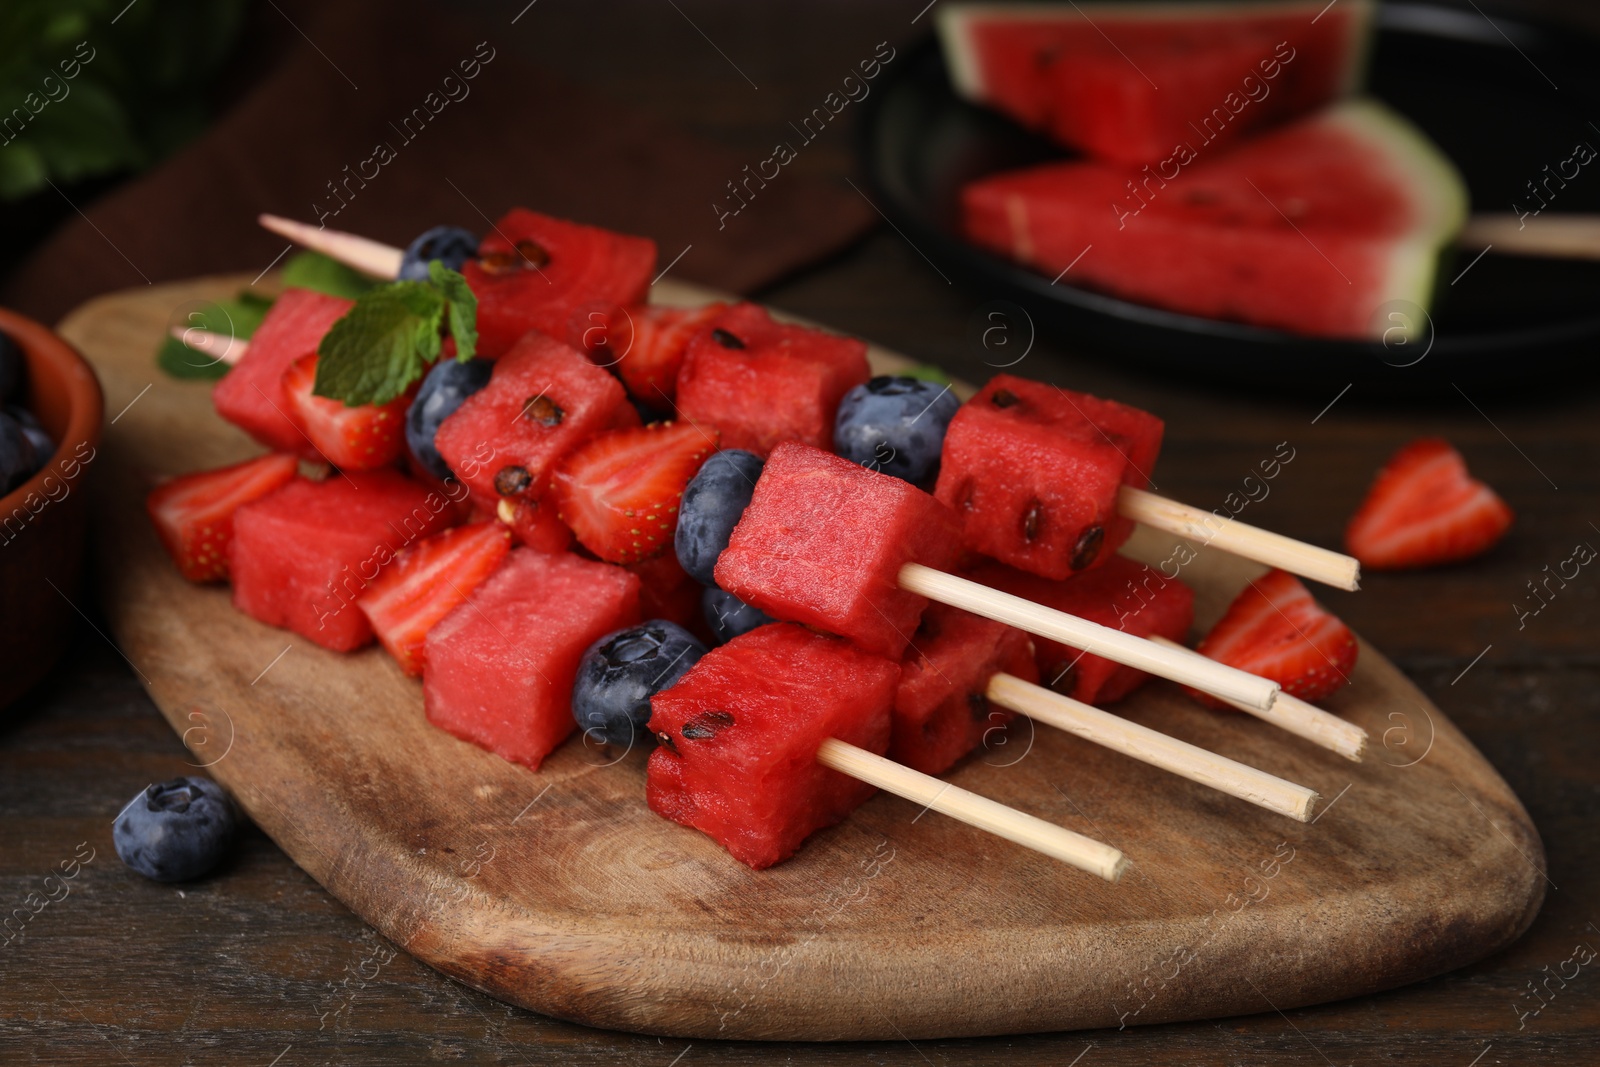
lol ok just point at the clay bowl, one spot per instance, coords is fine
(43, 522)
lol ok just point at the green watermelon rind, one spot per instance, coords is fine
(1433, 182)
(953, 21)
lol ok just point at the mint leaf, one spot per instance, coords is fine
(236, 318)
(313, 270)
(382, 345)
(463, 309)
(927, 373)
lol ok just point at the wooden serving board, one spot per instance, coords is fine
(560, 891)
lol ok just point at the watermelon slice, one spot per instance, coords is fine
(1313, 228)
(760, 382)
(822, 543)
(498, 670)
(533, 271)
(251, 395)
(941, 711)
(1127, 82)
(1121, 594)
(739, 737)
(302, 555)
(1034, 470)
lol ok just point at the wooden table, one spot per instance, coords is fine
(257, 965)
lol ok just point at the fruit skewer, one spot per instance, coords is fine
(1177, 664)
(1226, 534)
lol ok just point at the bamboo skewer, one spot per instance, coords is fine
(367, 256)
(1082, 852)
(219, 346)
(1152, 747)
(1556, 236)
(383, 261)
(1178, 664)
(1305, 720)
(1230, 535)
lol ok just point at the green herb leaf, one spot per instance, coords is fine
(463, 309)
(237, 318)
(382, 345)
(313, 270)
(927, 373)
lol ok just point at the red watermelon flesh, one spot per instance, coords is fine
(941, 711)
(533, 271)
(534, 523)
(1122, 594)
(498, 670)
(1312, 228)
(822, 543)
(251, 394)
(1033, 472)
(302, 555)
(761, 382)
(543, 399)
(739, 737)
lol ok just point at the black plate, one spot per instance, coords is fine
(1485, 91)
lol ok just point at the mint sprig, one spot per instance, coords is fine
(392, 335)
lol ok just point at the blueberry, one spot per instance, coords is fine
(622, 671)
(728, 616)
(18, 458)
(712, 503)
(448, 384)
(11, 369)
(175, 831)
(450, 245)
(896, 425)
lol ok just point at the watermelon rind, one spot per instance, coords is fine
(1435, 186)
(954, 23)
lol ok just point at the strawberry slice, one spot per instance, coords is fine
(1274, 629)
(193, 513)
(1424, 509)
(359, 438)
(644, 344)
(619, 491)
(426, 582)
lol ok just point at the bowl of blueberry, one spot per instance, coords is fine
(50, 411)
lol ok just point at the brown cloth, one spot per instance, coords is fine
(305, 141)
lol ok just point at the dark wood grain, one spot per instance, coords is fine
(244, 967)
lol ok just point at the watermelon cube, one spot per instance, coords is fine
(543, 399)
(941, 710)
(302, 555)
(251, 395)
(498, 670)
(533, 271)
(534, 523)
(1034, 470)
(667, 592)
(761, 382)
(1128, 81)
(822, 543)
(1122, 594)
(740, 732)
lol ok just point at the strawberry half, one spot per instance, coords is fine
(1424, 509)
(359, 438)
(1274, 629)
(193, 513)
(426, 582)
(619, 491)
(644, 344)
